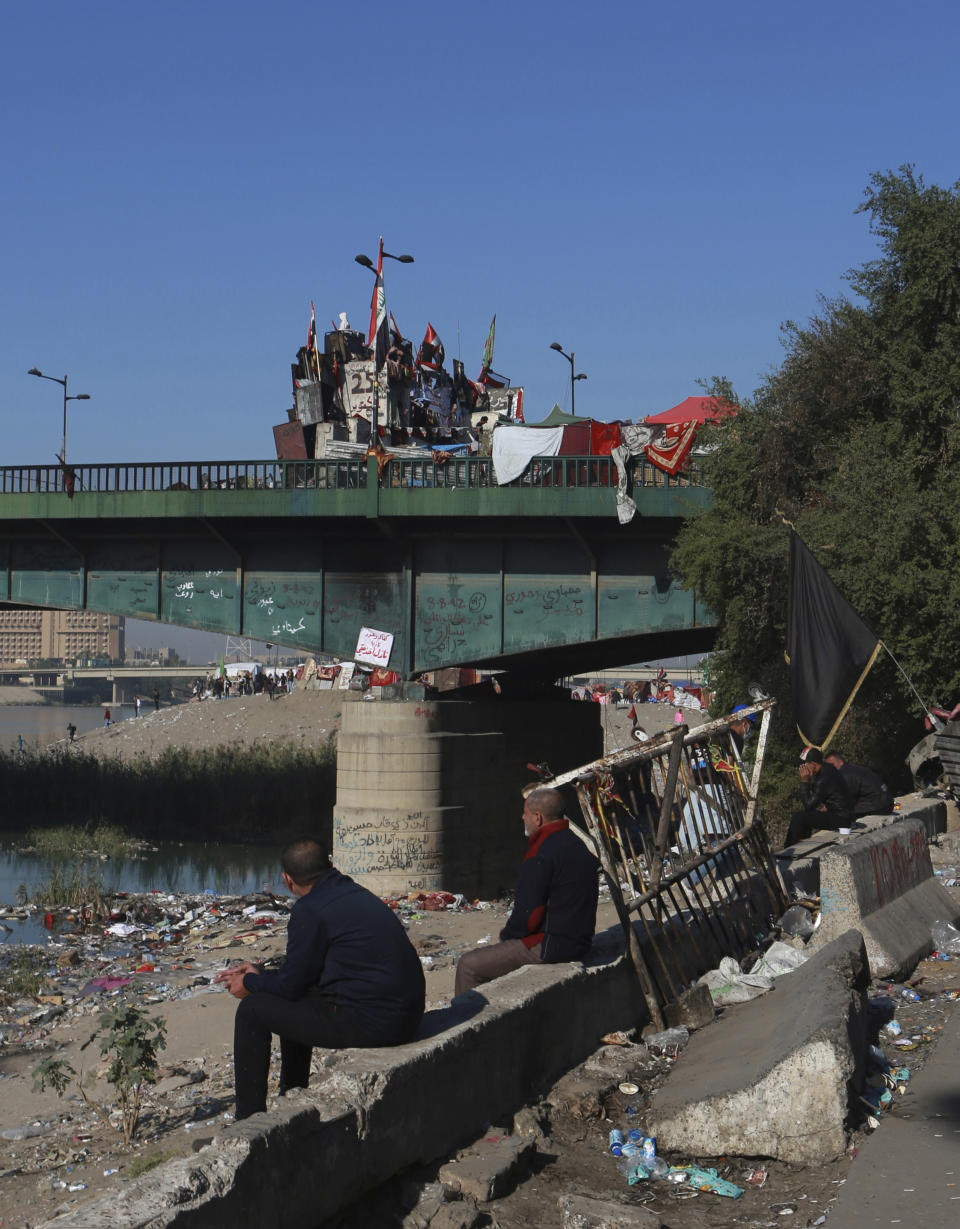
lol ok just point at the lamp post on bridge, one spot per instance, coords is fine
(367, 263)
(76, 397)
(555, 345)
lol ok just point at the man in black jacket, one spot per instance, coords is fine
(554, 910)
(826, 799)
(350, 977)
(870, 793)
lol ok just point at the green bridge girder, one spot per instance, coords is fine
(538, 575)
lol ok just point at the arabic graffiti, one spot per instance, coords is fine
(386, 844)
(449, 625)
(539, 604)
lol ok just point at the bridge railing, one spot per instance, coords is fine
(469, 473)
(184, 476)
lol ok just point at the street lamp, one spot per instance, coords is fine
(555, 345)
(76, 397)
(367, 263)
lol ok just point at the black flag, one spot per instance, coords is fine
(829, 648)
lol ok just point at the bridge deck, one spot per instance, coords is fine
(458, 569)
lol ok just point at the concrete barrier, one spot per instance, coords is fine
(881, 883)
(373, 1113)
(775, 1077)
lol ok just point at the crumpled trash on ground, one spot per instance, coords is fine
(798, 921)
(778, 959)
(946, 938)
(728, 984)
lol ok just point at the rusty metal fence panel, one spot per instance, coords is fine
(684, 851)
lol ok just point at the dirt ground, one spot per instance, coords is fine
(306, 718)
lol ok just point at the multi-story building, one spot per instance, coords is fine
(59, 635)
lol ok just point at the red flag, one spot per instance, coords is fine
(673, 451)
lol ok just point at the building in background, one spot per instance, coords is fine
(59, 635)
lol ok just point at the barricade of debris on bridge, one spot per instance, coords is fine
(676, 827)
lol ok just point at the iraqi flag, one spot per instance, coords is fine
(312, 330)
(379, 334)
(829, 648)
(431, 353)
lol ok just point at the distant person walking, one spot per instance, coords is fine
(138, 702)
(20, 743)
(71, 731)
(106, 719)
(156, 700)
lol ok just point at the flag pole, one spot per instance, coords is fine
(934, 720)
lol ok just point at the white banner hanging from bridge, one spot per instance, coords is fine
(373, 647)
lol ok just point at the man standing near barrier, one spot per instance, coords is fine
(350, 977)
(826, 799)
(554, 910)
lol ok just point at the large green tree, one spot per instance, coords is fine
(855, 440)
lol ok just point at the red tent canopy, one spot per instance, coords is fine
(695, 409)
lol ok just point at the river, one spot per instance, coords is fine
(214, 868)
(41, 724)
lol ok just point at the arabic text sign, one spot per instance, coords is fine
(373, 647)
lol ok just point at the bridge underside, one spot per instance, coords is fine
(547, 595)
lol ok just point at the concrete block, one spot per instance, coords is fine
(694, 1009)
(774, 1077)
(881, 882)
(580, 1212)
(488, 1170)
(576, 1094)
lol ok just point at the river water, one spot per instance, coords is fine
(41, 724)
(174, 867)
(214, 868)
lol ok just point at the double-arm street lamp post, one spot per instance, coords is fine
(368, 264)
(555, 345)
(76, 397)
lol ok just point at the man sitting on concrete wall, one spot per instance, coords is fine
(870, 793)
(826, 799)
(350, 977)
(555, 904)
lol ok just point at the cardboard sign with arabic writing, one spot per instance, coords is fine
(373, 647)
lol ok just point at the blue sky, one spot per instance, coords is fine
(655, 187)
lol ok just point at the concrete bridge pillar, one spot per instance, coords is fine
(428, 792)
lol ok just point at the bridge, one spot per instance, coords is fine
(537, 575)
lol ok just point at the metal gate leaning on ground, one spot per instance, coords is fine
(675, 824)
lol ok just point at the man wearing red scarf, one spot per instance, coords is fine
(555, 904)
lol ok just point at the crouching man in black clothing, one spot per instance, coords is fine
(555, 904)
(350, 977)
(826, 800)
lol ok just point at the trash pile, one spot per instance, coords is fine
(150, 943)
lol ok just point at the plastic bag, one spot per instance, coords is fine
(797, 921)
(728, 985)
(946, 938)
(779, 958)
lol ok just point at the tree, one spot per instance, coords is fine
(855, 441)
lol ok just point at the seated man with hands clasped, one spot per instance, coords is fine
(350, 977)
(554, 910)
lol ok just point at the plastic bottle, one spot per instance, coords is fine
(616, 1141)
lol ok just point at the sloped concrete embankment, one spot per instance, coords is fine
(775, 1077)
(376, 1112)
(882, 884)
